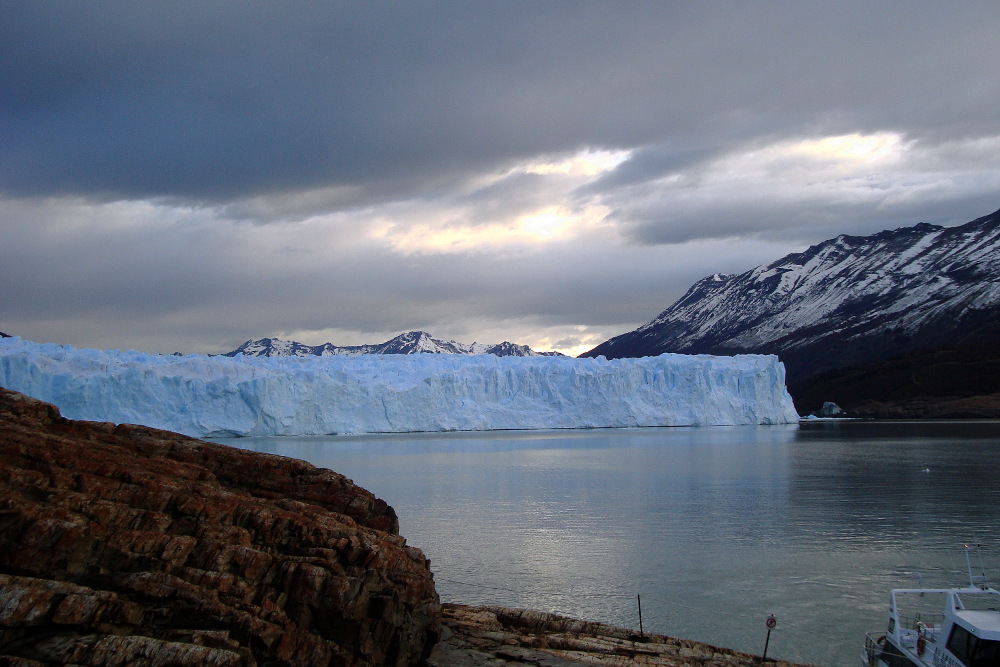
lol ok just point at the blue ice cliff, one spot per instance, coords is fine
(205, 396)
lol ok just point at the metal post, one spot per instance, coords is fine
(638, 599)
(770, 623)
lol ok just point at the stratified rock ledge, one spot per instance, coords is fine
(125, 544)
(488, 636)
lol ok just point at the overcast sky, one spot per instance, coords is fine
(183, 176)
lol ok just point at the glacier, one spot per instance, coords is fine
(216, 396)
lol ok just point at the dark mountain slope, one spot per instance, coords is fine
(959, 383)
(842, 302)
(846, 302)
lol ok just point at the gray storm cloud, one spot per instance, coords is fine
(202, 173)
(224, 100)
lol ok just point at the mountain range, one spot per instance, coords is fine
(847, 303)
(411, 342)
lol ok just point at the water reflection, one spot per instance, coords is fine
(894, 485)
(715, 527)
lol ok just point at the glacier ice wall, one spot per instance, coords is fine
(256, 396)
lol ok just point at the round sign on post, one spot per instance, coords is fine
(771, 622)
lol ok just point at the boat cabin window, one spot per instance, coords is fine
(973, 651)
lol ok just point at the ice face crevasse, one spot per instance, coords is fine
(257, 396)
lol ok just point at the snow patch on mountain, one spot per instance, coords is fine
(286, 395)
(856, 298)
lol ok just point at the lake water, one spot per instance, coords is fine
(715, 528)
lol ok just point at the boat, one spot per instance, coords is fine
(939, 627)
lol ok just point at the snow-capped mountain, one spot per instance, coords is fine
(411, 342)
(842, 302)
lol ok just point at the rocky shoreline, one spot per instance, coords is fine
(488, 636)
(123, 544)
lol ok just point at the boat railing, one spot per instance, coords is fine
(919, 632)
(916, 634)
(873, 647)
(929, 625)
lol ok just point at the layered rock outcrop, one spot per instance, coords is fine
(488, 636)
(125, 544)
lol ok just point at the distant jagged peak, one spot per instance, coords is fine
(270, 347)
(414, 337)
(419, 342)
(508, 349)
(410, 342)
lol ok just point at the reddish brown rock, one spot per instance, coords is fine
(125, 544)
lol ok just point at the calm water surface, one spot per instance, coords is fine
(715, 527)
